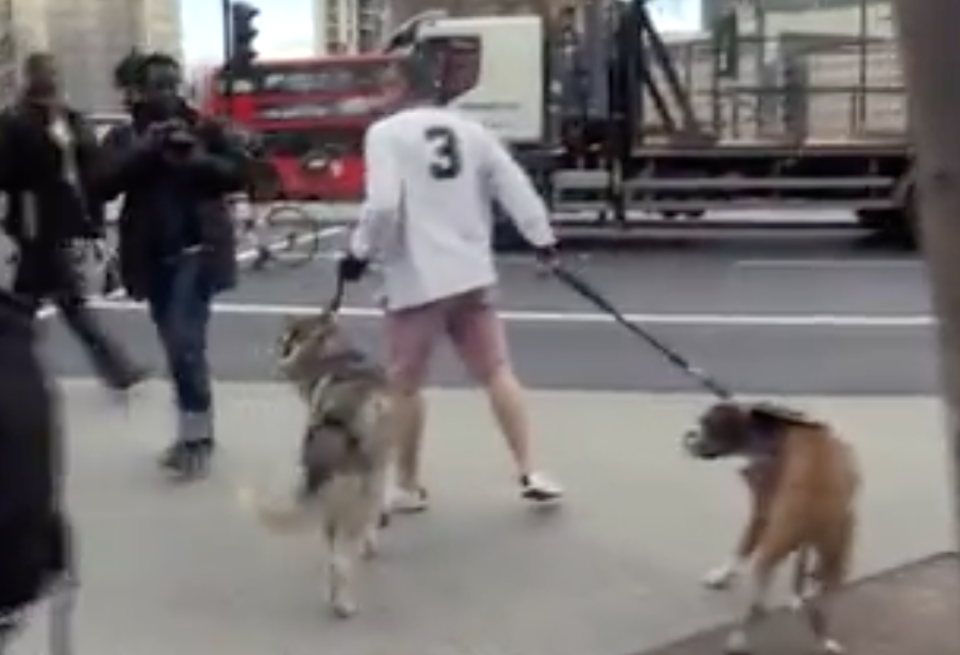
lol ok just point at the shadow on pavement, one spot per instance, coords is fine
(910, 609)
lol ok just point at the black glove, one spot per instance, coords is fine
(351, 268)
(548, 257)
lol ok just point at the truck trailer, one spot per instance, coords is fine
(596, 106)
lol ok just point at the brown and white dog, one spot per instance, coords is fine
(803, 482)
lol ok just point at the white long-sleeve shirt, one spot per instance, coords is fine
(432, 179)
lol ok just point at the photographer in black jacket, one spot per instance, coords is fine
(48, 155)
(177, 246)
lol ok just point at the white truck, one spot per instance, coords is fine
(492, 68)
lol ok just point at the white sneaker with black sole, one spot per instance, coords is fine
(540, 489)
(408, 501)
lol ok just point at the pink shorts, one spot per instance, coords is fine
(468, 320)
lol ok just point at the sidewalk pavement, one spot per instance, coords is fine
(181, 570)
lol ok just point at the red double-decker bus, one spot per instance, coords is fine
(311, 115)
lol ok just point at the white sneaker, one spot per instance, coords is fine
(408, 501)
(538, 488)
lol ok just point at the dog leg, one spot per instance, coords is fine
(834, 550)
(344, 555)
(738, 640)
(371, 542)
(779, 540)
(721, 577)
(379, 512)
(802, 577)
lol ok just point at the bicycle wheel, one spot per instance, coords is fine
(293, 234)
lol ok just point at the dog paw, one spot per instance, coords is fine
(371, 545)
(736, 643)
(831, 647)
(343, 608)
(721, 577)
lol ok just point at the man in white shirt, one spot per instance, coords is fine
(432, 179)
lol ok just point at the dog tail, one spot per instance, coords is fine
(293, 518)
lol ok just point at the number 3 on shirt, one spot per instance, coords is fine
(445, 161)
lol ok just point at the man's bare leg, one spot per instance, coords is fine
(409, 417)
(506, 396)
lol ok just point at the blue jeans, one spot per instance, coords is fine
(179, 301)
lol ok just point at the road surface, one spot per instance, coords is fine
(820, 318)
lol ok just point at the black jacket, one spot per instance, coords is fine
(32, 174)
(134, 166)
(33, 537)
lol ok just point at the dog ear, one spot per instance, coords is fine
(778, 416)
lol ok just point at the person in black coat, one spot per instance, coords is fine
(48, 155)
(34, 543)
(174, 169)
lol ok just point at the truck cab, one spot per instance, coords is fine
(491, 68)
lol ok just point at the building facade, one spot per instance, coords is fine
(840, 54)
(399, 11)
(348, 26)
(23, 28)
(871, 19)
(89, 37)
(841, 17)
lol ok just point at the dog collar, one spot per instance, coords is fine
(764, 443)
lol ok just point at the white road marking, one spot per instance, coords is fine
(704, 320)
(829, 264)
(243, 256)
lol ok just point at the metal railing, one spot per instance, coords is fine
(799, 87)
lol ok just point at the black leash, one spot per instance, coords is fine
(336, 302)
(576, 282)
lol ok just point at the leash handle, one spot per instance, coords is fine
(587, 291)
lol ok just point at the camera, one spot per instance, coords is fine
(175, 136)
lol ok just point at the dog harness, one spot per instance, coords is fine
(769, 424)
(336, 399)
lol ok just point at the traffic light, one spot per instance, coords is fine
(243, 35)
(726, 44)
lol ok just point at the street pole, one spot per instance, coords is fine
(861, 96)
(930, 60)
(226, 7)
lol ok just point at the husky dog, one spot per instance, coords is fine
(347, 448)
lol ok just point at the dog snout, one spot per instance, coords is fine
(698, 444)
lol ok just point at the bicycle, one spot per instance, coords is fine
(281, 232)
(272, 228)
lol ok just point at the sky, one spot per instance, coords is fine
(286, 28)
